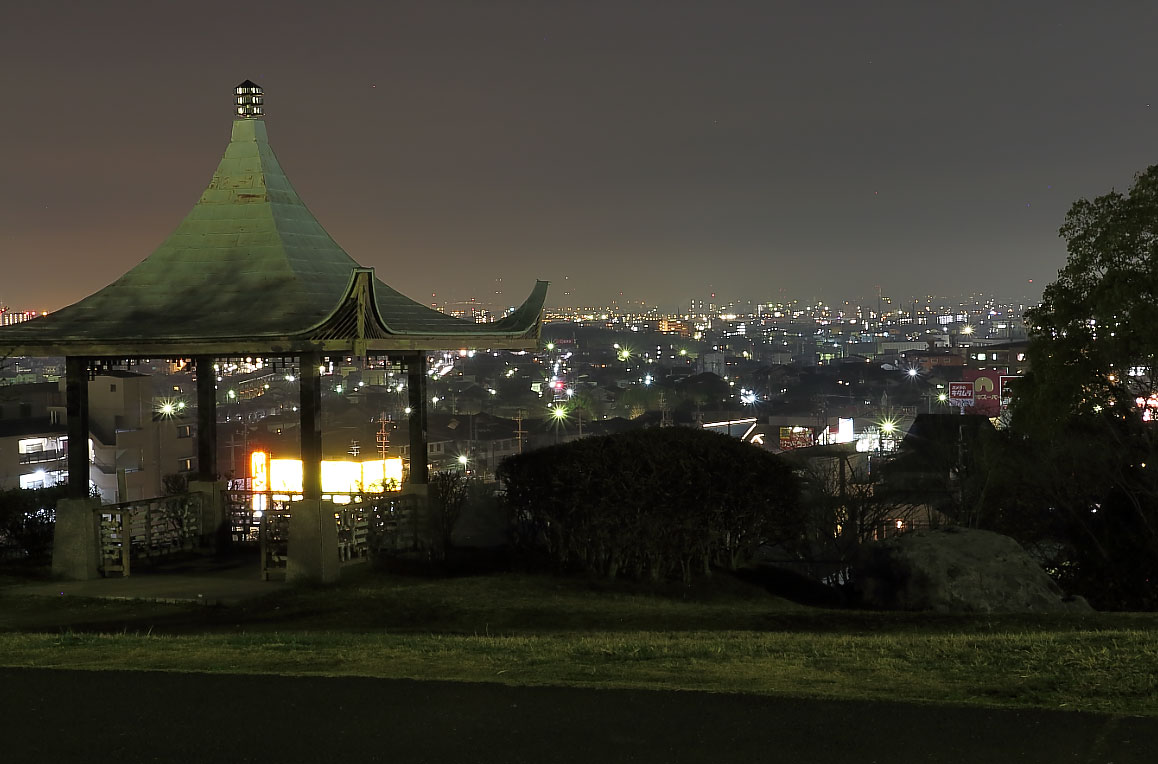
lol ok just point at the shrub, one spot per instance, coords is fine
(660, 503)
(27, 520)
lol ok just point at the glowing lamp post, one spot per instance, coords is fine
(558, 414)
(887, 427)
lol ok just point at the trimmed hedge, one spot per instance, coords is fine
(655, 503)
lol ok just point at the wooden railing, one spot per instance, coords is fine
(367, 524)
(147, 529)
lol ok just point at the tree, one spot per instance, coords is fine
(27, 519)
(848, 506)
(448, 492)
(1094, 338)
(1086, 415)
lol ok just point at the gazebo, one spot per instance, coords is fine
(249, 272)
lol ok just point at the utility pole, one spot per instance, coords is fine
(383, 436)
(520, 432)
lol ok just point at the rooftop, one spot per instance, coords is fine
(251, 270)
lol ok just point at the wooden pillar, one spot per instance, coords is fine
(310, 413)
(206, 418)
(76, 403)
(416, 386)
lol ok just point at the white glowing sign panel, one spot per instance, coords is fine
(285, 475)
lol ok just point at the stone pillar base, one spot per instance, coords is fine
(76, 540)
(417, 499)
(213, 515)
(313, 543)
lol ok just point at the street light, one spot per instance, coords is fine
(885, 427)
(558, 414)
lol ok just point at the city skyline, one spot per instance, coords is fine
(661, 150)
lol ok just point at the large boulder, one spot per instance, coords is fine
(956, 570)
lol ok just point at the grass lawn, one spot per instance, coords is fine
(722, 636)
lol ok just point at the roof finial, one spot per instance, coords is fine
(248, 97)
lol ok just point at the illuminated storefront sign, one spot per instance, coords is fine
(795, 437)
(285, 475)
(960, 393)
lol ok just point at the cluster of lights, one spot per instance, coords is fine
(170, 407)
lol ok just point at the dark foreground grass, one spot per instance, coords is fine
(539, 630)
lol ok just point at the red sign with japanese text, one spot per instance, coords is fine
(986, 390)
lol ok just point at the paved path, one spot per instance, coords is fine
(129, 717)
(206, 581)
(206, 590)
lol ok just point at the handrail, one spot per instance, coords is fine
(148, 528)
(35, 457)
(366, 523)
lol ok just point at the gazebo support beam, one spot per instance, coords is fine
(416, 388)
(75, 535)
(310, 411)
(206, 417)
(313, 534)
(76, 402)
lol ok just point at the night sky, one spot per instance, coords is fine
(665, 150)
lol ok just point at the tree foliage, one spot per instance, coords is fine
(1084, 440)
(27, 520)
(848, 505)
(655, 503)
(1094, 338)
(1081, 502)
(449, 490)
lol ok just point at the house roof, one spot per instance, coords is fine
(250, 270)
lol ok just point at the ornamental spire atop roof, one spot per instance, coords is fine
(249, 99)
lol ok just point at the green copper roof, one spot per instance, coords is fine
(250, 266)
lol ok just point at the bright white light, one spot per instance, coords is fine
(912, 372)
